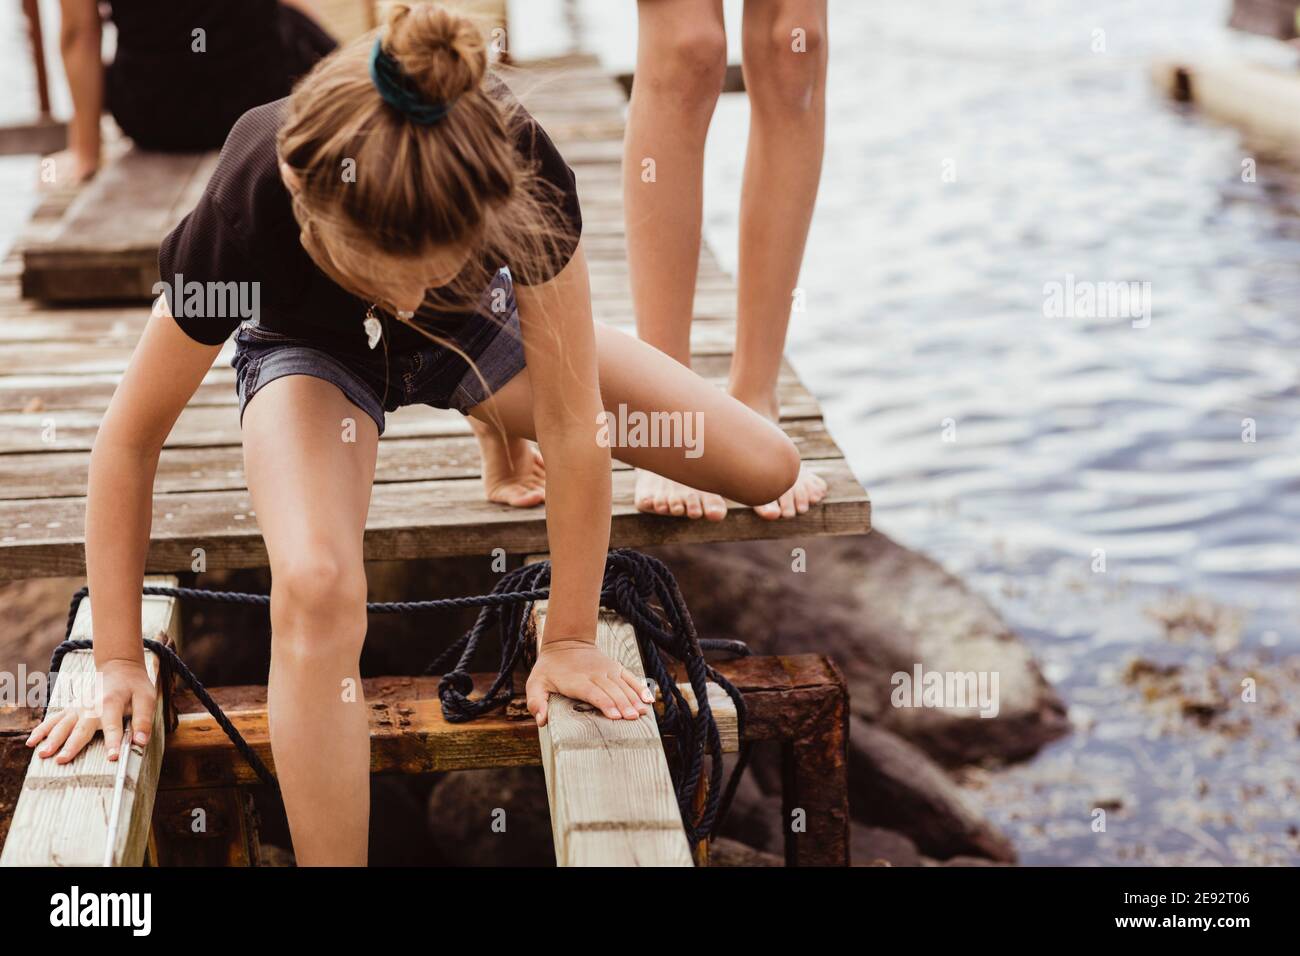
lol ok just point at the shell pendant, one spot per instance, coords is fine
(373, 328)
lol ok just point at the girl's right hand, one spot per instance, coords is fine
(125, 690)
(580, 670)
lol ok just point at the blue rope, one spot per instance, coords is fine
(638, 587)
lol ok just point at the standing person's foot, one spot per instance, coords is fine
(808, 489)
(658, 495)
(513, 471)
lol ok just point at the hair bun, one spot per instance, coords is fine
(443, 53)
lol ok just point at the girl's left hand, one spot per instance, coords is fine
(577, 669)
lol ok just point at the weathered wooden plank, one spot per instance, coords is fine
(408, 520)
(58, 345)
(721, 706)
(27, 322)
(36, 394)
(50, 355)
(90, 811)
(611, 795)
(1260, 98)
(75, 358)
(106, 247)
(221, 468)
(41, 138)
(217, 423)
(44, 392)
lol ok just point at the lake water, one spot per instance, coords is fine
(979, 151)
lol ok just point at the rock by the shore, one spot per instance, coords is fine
(965, 861)
(492, 818)
(461, 808)
(754, 817)
(878, 609)
(875, 846)
(727, 852)
(894, 785)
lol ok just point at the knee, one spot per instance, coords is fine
(774, 468)
(788, 65)
(318, 609)
(691, 68)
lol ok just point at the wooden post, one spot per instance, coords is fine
(815, 787)
(93, 812)
(611, 796)
(209, 827)
(33, 12)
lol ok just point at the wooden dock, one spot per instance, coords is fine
(60, 364)
(58, 369)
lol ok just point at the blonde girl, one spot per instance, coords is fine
(414, 237)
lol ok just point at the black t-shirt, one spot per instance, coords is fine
(185, 70)
(195, 35)
(243, 231)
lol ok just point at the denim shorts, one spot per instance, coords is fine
(380, 383)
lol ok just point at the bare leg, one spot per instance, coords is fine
(681, 60)
(743, 456)
(309, 455)
(785, 74)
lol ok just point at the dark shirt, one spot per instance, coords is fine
(198, 35)
(243, 230)
(185, 70)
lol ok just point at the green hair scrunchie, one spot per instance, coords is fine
(399, 92)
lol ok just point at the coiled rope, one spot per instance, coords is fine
(637, 586)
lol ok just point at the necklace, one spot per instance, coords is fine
(374, 328)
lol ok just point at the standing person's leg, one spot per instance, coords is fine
(784, 43)
(309, 455)
(681, 61)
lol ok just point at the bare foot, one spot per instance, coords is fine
(656, 494)
(808, 489)
(66, 168)
(513, 471)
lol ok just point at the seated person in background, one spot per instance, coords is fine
(184, 70)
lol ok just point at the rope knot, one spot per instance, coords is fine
(456, 682)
